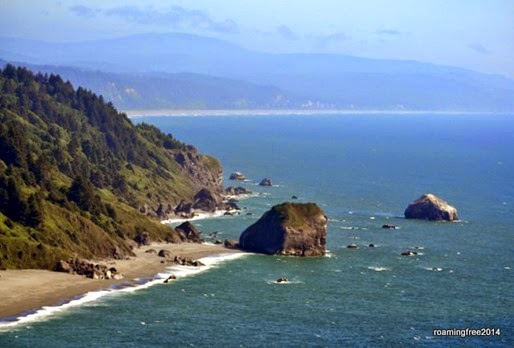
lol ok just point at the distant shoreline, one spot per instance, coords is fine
(287, 112)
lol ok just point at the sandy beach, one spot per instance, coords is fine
(24, 291)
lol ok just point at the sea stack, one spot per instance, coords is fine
(295, 229)
(431, 207)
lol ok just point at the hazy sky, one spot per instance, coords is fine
(475, 34)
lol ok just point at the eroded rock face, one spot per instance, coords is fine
(297, 229)
(431, 207)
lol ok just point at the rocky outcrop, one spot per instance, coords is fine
(236, 191)
(266, 182)
(188, 232)
(297, 229)
(431, 207)
(205, 200)
(237, 176)
(142, 238)
(87, 268)
(184, 210)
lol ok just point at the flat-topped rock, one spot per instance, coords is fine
(431, 207)
(297, 229)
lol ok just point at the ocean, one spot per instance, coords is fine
(362, 170)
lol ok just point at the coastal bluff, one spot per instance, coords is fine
(295, 229)
(430, 207)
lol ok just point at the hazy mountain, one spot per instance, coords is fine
(173, 90)
(340, 80)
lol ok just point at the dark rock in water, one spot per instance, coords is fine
(171, 277)
(237, 176)
(388, 226)
(227, 213)
(142, 238)
(235, 191)
(297, 229)
(218, 241)
(409, 253)
(294, 197)
(431, 207)
(151, 251)
(282, 280)
(188, 232)
(165, 253)
(266, 182)
(352, 246)
(371, 245)
(231, 206)
(205, 200)
(231, 244)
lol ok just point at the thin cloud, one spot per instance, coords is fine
(324, 41)
(176, 17)
(84, 11)
(389, 32)
(479, 48)
(285, 32)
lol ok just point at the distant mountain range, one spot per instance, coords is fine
(187, 71)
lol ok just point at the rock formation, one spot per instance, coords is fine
(235, 191)
(237, 176)
(297, 229)
(431, 207)
(87, 268)
(188, 232)
(266, 182)
(205, 200)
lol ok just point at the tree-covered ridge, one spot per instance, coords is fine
(74, 172)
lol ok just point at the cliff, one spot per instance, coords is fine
(77, 177)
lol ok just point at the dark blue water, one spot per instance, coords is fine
(363, 170)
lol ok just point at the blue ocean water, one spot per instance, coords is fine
(363, 170)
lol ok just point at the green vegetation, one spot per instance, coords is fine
(75, 173)
(296, 214)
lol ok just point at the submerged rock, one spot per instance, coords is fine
(431, 207)
(297, 229)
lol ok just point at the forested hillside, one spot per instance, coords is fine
(76, 175)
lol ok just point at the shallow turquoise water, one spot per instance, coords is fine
(363, 170)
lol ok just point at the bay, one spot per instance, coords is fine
(363, 170)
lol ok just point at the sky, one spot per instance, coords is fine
(473, 34)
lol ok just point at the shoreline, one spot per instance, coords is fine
(291, 112)
(29, 292)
